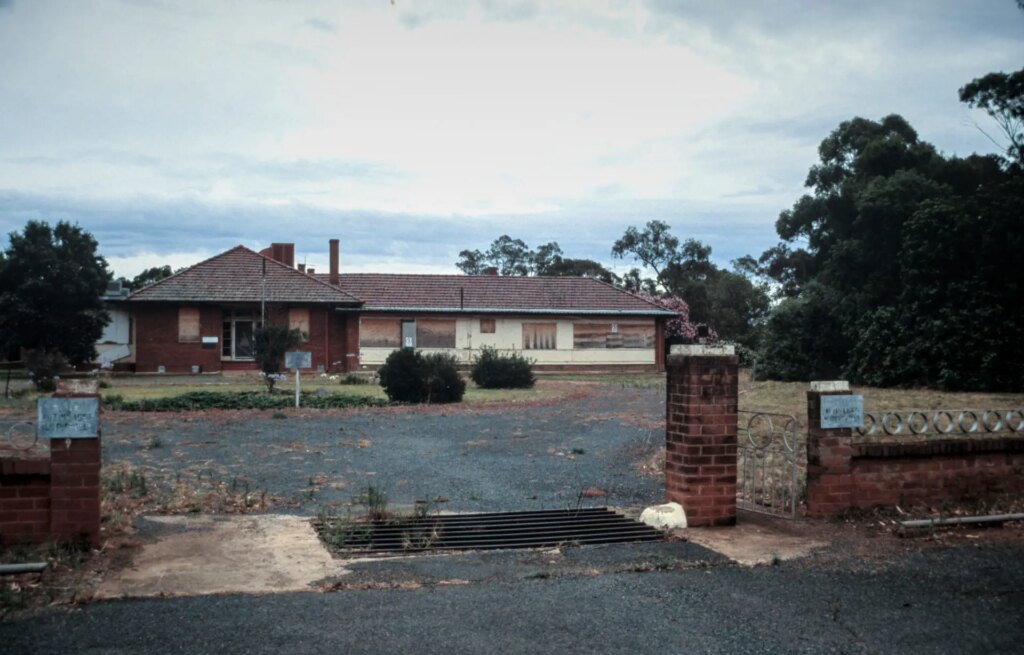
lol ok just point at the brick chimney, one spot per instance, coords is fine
(491, 270)
(333, 279)
(282, 252)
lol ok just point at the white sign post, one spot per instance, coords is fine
(296, 360)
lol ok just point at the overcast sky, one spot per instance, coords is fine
(411, 130)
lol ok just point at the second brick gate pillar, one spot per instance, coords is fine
(702, 384)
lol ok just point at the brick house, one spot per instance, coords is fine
(202, 319)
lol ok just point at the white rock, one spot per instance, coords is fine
(669, 516)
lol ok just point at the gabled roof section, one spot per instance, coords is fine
(487, 293)
(237, 276)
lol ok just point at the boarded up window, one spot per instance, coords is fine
(188, 324)
(435, 333)
(487, 326)
(539, 336)
(612, 335)
(298, 319)
(380, 333)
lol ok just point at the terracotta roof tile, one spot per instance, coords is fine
(466, 292)
(236, 276)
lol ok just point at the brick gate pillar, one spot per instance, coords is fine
(700, 432)
(75, 480)
(829, 452)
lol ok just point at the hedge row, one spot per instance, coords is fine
(200, 400)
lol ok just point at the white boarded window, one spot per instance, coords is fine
(435, 333)
(539, 336)
(298, 319)
(588, 336)
(188, 324)
(380, 333)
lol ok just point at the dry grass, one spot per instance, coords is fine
(791, 398)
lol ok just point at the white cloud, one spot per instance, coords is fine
(163, 126)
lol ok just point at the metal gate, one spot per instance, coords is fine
(768, 463)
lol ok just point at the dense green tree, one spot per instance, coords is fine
(150, 276)
(897, 266)
(545, 257)
(581, 268)
(51, 284)
(513, 257)
(1001, 95)
(727, 301)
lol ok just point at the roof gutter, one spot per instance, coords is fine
(505, 310)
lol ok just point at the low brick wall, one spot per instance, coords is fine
(55, 498)
(24, 500)
(886, 474)
(843, 475)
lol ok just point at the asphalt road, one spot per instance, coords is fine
(954, 600)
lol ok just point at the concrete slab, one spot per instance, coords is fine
(197, 555)
(756, 540)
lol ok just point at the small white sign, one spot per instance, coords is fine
(842, 411)
(68, 418)
(298, 359)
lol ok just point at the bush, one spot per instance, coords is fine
(411, 377)
(200, 400)
(493, 370)
(271, 343)
(442, 381)
(44, 367)
(803, 340)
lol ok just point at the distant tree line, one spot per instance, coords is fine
(901, 267)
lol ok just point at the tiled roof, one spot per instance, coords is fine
(385, 291)
(237, 276)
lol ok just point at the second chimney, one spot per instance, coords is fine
(333, 279)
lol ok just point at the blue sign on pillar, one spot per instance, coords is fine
(842, 411)
(68, 418)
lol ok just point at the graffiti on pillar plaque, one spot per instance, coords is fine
(68, 418)
(842, 411)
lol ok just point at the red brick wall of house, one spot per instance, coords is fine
(156, 330)
(156, 339)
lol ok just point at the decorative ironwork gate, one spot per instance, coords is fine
(17, 435)
(768, 463)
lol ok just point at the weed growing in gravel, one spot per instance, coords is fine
(375, 501)
(132, 483)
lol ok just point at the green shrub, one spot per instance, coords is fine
(354, 378)
(442, 381)
(201, 400)
(493, 370)
(271, 342)
(411, 377)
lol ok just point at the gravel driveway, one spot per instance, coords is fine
(478, 458)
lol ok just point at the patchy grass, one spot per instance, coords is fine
(791, 398)
(66, 580)
(153, 393)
